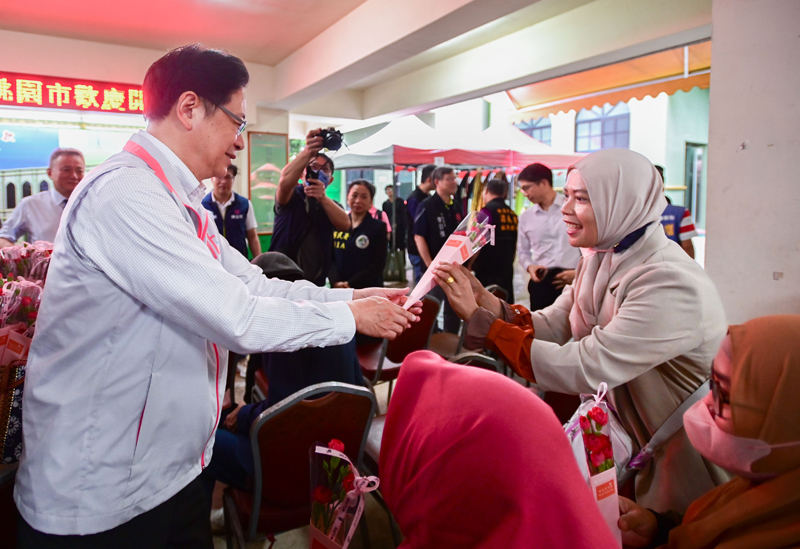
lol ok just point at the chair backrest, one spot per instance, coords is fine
(478, 360)
(497, 291)
(282, 435)
(415, 338)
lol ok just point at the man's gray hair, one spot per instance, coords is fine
(61, 151)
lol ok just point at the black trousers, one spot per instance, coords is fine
(180, 522)
(544, 294)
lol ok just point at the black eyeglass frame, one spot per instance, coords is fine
(242, 123)
(716, 393)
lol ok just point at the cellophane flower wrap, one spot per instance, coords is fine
(29, 261)
(337, 496)
(23, 269)
(473, 233)
(591, 442)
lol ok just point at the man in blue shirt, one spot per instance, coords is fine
(37, 217)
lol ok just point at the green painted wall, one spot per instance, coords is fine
(687, 122)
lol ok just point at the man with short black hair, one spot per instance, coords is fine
(495, 264)
(438, 217)
(417, 197)
(233, 213)
(37, 217)
(305, 217)
(543, 247)
(126, 374)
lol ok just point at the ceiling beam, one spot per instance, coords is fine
(377, 34)
(596, 34)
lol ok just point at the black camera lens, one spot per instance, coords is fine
(331, 139)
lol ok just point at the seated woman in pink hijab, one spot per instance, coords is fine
(748, 425)
(471, 459)
(641, 316)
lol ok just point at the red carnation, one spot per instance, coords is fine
(593, 443)
(336, 444)
(585, 425)
(32, 315)
(597, 458)
(25, 301)
(348, 481)
(322, 494)
(598, 415)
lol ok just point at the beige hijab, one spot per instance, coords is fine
(625, 191)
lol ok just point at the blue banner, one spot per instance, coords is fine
(26, 146)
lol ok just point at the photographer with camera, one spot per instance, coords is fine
(305, 217)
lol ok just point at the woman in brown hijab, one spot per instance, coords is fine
(750, 425)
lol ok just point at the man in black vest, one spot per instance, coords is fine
(233, 214)
(413, 203)
(437, 218)
(495, 264)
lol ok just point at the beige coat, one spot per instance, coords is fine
(660, 325)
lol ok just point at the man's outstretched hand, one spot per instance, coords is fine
(395, 295)
(378, 317)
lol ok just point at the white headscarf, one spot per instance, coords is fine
(626, 194)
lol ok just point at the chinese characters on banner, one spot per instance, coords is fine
(25, 90)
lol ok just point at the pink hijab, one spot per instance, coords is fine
(626, 194)
(472, 459)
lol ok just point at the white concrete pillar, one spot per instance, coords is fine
(753, 224)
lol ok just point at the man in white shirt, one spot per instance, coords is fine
(543, 246)
(233, 213)
(37, 216)
(126, 374)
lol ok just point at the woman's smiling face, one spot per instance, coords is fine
(578, 213)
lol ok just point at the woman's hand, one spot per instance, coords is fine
(395, 295)
(457, 286)
(342, 284)
(639, 526)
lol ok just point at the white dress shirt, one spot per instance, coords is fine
(543, 238)
(36, 216)
(250, 220)
(126, 373)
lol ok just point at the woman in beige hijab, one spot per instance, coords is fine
(747, 424)
(641, 316)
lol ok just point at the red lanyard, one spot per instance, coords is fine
(202, 222)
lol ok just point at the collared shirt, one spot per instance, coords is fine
(250, 220)
(36, 216)
(543, 238)
(126, 373)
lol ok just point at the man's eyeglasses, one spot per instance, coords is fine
(718, 395)
(242, 123)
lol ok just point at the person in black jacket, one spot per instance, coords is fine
(397, 206)
(360, 253)
(495, 264)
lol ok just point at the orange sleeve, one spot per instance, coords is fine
(512, 340)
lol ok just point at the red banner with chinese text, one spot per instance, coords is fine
(26, 90)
